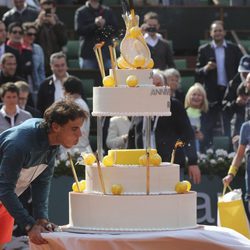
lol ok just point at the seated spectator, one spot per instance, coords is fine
(10, 114)
(92, 21)
(196, 105)
(172, 79)
(51, 32)
(158, 77)
(38, 70)
(117, 137)
(15, 34)
(73, 90)
(51, 89)
(160, 50)
(21, 12)
(23, 96)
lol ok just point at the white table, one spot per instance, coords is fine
(201, 238)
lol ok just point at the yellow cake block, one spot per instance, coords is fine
(128, 156)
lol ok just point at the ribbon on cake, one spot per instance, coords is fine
(100, 174)
(74, 171)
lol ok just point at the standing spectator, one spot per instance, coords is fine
(73, 90)
(118, 132)
(217, 64)
(38, 70)
(51, 32)
(196, 105)
(20, 13)
(160, 50)
(243, 150)
(4, 48)
(27, 157)
(92, 21)
(15, 34)
(8, 66)
(23, 98)
(10, 114)
(51, 89)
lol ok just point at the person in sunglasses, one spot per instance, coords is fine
(38, 66)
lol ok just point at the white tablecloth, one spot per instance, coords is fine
(201, 238)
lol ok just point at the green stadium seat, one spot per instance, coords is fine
(88, 85)
(246, 44)
(201, 42)
(72, 49)
(73, 63)
(221, 142)
(180, 63)
(90, 103)
(187, 82)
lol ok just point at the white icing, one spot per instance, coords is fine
(138, 101)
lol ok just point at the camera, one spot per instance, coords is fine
(151, 29)
(47, 12)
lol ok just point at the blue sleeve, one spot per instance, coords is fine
(13, 159)
(245, 134)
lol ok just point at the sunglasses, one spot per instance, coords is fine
(30, 34)
(17, 32)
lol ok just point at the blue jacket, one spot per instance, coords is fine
(26, 158)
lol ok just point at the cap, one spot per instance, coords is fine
(244, 65)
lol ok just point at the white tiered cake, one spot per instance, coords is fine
(131, 190)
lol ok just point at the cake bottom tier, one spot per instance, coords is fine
(132, 212)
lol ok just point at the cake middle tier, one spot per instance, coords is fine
(133, 178)
(137, 101)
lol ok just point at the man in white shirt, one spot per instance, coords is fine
(51, 89)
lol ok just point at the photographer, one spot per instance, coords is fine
(160, 50)
(51, 32)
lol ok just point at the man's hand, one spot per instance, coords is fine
(194, 173)
(227, 179)
(35, 234)
(41, 226)
(100, 21)
(210, 66)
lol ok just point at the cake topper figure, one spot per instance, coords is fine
(178, 144)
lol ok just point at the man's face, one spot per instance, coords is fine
(152, 24)
(9, 66)
(19, 4)
(22, 99)
(10, 99)
(217, 32)
(48, 8)
(59, 67)
(68, 134)
(16, 34)
(2, 33)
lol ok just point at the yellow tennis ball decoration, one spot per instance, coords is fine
(117, 189)
(135, 32)
(132, 81)
(88, 159)
(188, 185)
(82, 186)
(181, 187)
(122, 64)
(108, 81)
(150, 64)
(143, 160)
(155, 159)
(139, 61)
(108, 161)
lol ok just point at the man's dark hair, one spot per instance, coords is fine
(73, 85)
(62, 112)
(9, 87)
(151, 15)
(13, 25)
